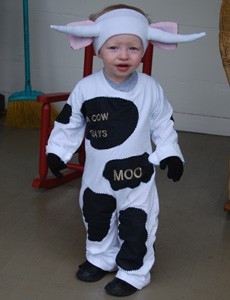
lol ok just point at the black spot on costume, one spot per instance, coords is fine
(109, 121)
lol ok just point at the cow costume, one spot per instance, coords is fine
(118, 195)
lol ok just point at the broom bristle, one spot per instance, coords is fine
(26, 114)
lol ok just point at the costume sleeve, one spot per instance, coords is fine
(163, 134)
(68, 132)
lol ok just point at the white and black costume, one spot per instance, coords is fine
(118, 196)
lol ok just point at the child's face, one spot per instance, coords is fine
(121, 55)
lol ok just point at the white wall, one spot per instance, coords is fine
(192, 76)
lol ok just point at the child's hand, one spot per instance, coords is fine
(55, 164)
(175, 167)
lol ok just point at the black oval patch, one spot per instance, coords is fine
(109, 121)
(65, 114)
(98, 210)
(128, 172)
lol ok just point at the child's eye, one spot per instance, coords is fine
(133, 48)
(113, 47)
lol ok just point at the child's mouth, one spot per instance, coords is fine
(123, 67)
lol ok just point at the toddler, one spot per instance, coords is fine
(120, 112)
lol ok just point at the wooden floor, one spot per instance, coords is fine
(42, 237)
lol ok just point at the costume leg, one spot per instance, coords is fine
(138, 222)
(100, 218)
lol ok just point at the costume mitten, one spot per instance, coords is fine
(55, 164)
(175, 167)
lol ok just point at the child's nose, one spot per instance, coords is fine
(123, 54)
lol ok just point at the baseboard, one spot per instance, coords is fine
(202, 124)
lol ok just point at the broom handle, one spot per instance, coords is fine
(26, 47)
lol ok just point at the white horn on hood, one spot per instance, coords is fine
(159, 35)
(79, 30)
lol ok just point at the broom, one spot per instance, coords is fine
(23, 109)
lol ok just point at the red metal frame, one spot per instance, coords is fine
(73, 170)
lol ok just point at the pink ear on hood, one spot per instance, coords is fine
(170, 27)
(80, 42)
